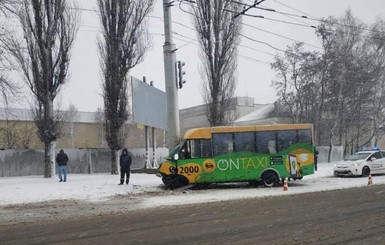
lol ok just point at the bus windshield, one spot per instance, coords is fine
(176, 149)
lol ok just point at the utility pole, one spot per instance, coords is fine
(173, 130)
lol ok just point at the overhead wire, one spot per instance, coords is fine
(265, 43)
(191, 40)
(194, 42)
(186, 26)
(282, 36)
(306, 16)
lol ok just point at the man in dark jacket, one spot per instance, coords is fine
(62, 160)
(125, 166)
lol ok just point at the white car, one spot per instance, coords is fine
(361, 163)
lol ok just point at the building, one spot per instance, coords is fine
(77, 130)
(242, 111)
(85, 129)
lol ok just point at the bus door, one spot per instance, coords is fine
(294, 169)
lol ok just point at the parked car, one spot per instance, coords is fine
(361, 163)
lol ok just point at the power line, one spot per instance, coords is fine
(193, 41)
(261, 51)
(282, 36)
(260, 29)
(257, 41)
(316, 19)
(299, 11)
(188, 27)
(271, 19)
(290, 17)
(253, 59)
(322, 21)
(248, 8)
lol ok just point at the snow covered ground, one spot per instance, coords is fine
(150, 189)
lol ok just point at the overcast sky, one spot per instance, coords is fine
(254, 75)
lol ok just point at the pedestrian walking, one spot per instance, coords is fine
(125, 161)
(62, 160)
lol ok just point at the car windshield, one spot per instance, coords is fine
(357, 156)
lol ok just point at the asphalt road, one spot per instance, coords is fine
(349, 216)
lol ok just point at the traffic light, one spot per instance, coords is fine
(181, 72)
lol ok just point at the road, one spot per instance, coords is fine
(348, 216)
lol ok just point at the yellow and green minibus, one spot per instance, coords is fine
(257, 154)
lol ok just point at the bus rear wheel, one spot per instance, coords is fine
(270, 179)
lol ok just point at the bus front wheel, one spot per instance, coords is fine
(175, 181)
(270, 179)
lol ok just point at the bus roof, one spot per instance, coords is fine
(205, 133)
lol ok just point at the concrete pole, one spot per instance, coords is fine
(148, 164)
(154, 161)
(173, 130)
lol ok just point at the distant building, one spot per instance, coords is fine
(243, 111)
(78, 130)
(85, 129)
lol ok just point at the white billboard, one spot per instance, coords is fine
(148, 104)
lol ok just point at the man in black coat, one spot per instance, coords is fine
(62, 160)
(125, 166)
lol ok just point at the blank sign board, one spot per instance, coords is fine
(148, 104)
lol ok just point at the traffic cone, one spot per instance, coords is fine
(285, 187)
(370, 180)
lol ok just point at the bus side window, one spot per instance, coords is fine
(286, 138)
(272, 147)
(304, 136)
(244, 141)
(201, 148)
(223, 143)
(206, 148)
(265, 142)
(196, 148)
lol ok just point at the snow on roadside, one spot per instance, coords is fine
(99, 187)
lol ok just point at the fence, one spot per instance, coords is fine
(336, 155)
(81, 161)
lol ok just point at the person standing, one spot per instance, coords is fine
(125, 161)
(62, 160)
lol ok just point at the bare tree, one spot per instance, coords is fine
(7, 6)
(8, 89)
(295, 83)
(28, 135)
(49, 29)
(341, 90)
(16, 130)
(124, 44)
(9, 135)
(218, 33)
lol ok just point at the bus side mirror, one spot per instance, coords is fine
(176, 157)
